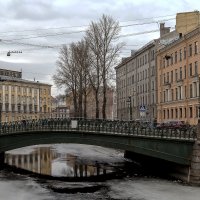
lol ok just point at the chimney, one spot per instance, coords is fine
(164, 30)
(133, 52)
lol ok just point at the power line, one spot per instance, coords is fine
(75, 32)
(63, 27)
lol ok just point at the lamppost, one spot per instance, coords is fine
(130, 106)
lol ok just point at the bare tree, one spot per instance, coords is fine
(66, 74)
(92, 38)
(102, 39)
(82, 64)
(71, 73)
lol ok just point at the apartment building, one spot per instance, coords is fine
(136, 84)
(22, 99)
(178, 79)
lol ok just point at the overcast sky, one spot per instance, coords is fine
(39, 27)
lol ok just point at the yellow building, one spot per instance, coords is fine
(178, 79)
(22, 99)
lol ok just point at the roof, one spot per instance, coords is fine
(14, 79)
(136, 53)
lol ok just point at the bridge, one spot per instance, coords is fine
(180, 148)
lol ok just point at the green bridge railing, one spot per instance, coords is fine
(97, 126)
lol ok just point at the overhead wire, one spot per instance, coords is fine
(13, 41)
(29, 30)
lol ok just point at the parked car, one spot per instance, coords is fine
(172, 125)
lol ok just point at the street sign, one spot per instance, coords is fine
(142, 108)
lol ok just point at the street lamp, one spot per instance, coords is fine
(130, 108)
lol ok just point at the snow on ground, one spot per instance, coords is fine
(22, 190)
(152, 189)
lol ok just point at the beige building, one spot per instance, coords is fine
(178, 79)
(22, 99)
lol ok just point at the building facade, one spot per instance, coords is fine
(59, 107)
(136, 85)
(22, 99)
(178, 79)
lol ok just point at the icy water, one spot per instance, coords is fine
(83, 172)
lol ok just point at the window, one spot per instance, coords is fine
(164, 98)
(185, 112)
(185, 52)
(172, 94)
(190, 50)
(164, 78)
(190, 68)
(196, 68)
(190, 110)
(185, 71)
(12, 99)
(180, 58)
(13, 108)
(195, 89)
(185, 91)
(163, 62)
(180, 112)
(167, 77)
(176, 74)
(172, 59)
(172, 114)
(179, 92)
(176, 113)
(19, 108)
(191, 91)
(167, 62)
(171, 76)
(6, 98)
(181, 73)
(176, 57)
(196, 47)
(176, 93)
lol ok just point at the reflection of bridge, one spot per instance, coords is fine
(179, 147)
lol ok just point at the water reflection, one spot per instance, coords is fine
(46, 160)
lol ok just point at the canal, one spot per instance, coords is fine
(75, 171)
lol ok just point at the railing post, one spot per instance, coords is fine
(194, 176)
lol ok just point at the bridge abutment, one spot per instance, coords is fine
(159, 167)
(194, 176)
